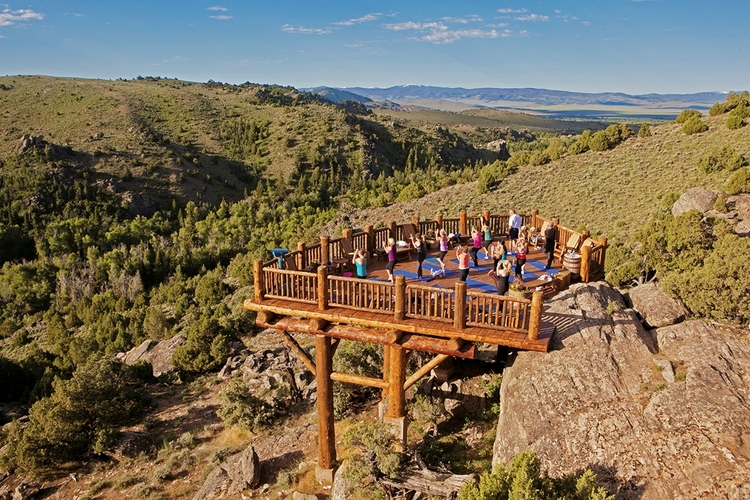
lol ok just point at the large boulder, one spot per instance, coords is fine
(156, 352)
(698, 199)
(599, 400)
(228, 479)
(655, 307)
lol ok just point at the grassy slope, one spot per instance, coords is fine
(610, 193)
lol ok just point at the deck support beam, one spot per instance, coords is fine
(424, 370)
(326, 433)
(301, 354)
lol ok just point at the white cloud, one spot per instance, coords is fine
(359, 20)
(1, 37)
(9, 17)
(288, 28)
(586, 23)
(532, 17)
(439, 32)
(218, 7)
(78, 15)
(473, 18)
(511, 11)
(221, 17)
(498, 25)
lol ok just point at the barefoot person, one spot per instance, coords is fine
(390, 249)
(421, 250)
(550, 235)
(463, 263)
(501, 275)
(514, 226)
(443, 242)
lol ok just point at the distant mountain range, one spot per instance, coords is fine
(558, 103)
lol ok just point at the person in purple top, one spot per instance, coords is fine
(390, 249)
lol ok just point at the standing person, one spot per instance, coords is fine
(360, 261)
(487, 240)
(476, 237)
(421, 249)
(463, 263)
(390, 249)
(550, 236)
(443, 242)
(501, 275)
(521, 258)
(514, 226)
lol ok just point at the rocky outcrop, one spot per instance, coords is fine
(655, 307)
(139, 204)
(603, 399)
(156, 352)
(698, 199)
(239, 472)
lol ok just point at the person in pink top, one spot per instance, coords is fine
(443, 242)
(463, 263)
(476, 238)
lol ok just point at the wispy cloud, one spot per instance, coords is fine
(565, 17)
(586, 23)
(473, 18)
(222, 17)
(511, 11)
(532, 18)
(439, 33)
(359, 20)
(9, 17)
(288, 28)
(218, 7)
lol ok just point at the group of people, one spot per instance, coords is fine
(518, 238)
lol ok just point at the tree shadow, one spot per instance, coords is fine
(272, 467)
(631, 489)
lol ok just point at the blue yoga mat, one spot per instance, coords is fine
(410, 275)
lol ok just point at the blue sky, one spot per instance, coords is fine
(632, 46)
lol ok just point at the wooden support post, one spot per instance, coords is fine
(318, 324)
(322, 288)
(585, 263)
(325, 257)
(462, 227)
(603, 243)
(424, 370)
(326, 433)
(585, 234)
(393, 336)
(459, 306)
(258, 278)
(346, 233)
(393, 227)
(301, 256)
(265, 317)
(301, 354)
(439, 220)
(415, 221)
(386, 373)
(534, 221)
(351, 378)
(396, 379)
(556, 222)
(400, 309)
(535, 318)
(370, 240)
(486, 216)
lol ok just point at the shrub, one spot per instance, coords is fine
(373, 452)
(645, 130)
(539, 158)
(687, 115)
(725, 159)
(720, 205)
(734, 122)
(599, 142)
(523, 479)
(694, 125)
(239, 407)
(492, 174)
(739, 182)
(82, 416)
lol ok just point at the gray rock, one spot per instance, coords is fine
(656, 307)
(239, 472)
(139, 203)
(595, 401)
(157, 353)
(666, 369)
(340, 488)
(695, 199)
(25, 491)
(303, 496)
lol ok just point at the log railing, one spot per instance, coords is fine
(496, 311)
(456, 307)
(361, 295)
(430, 302)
